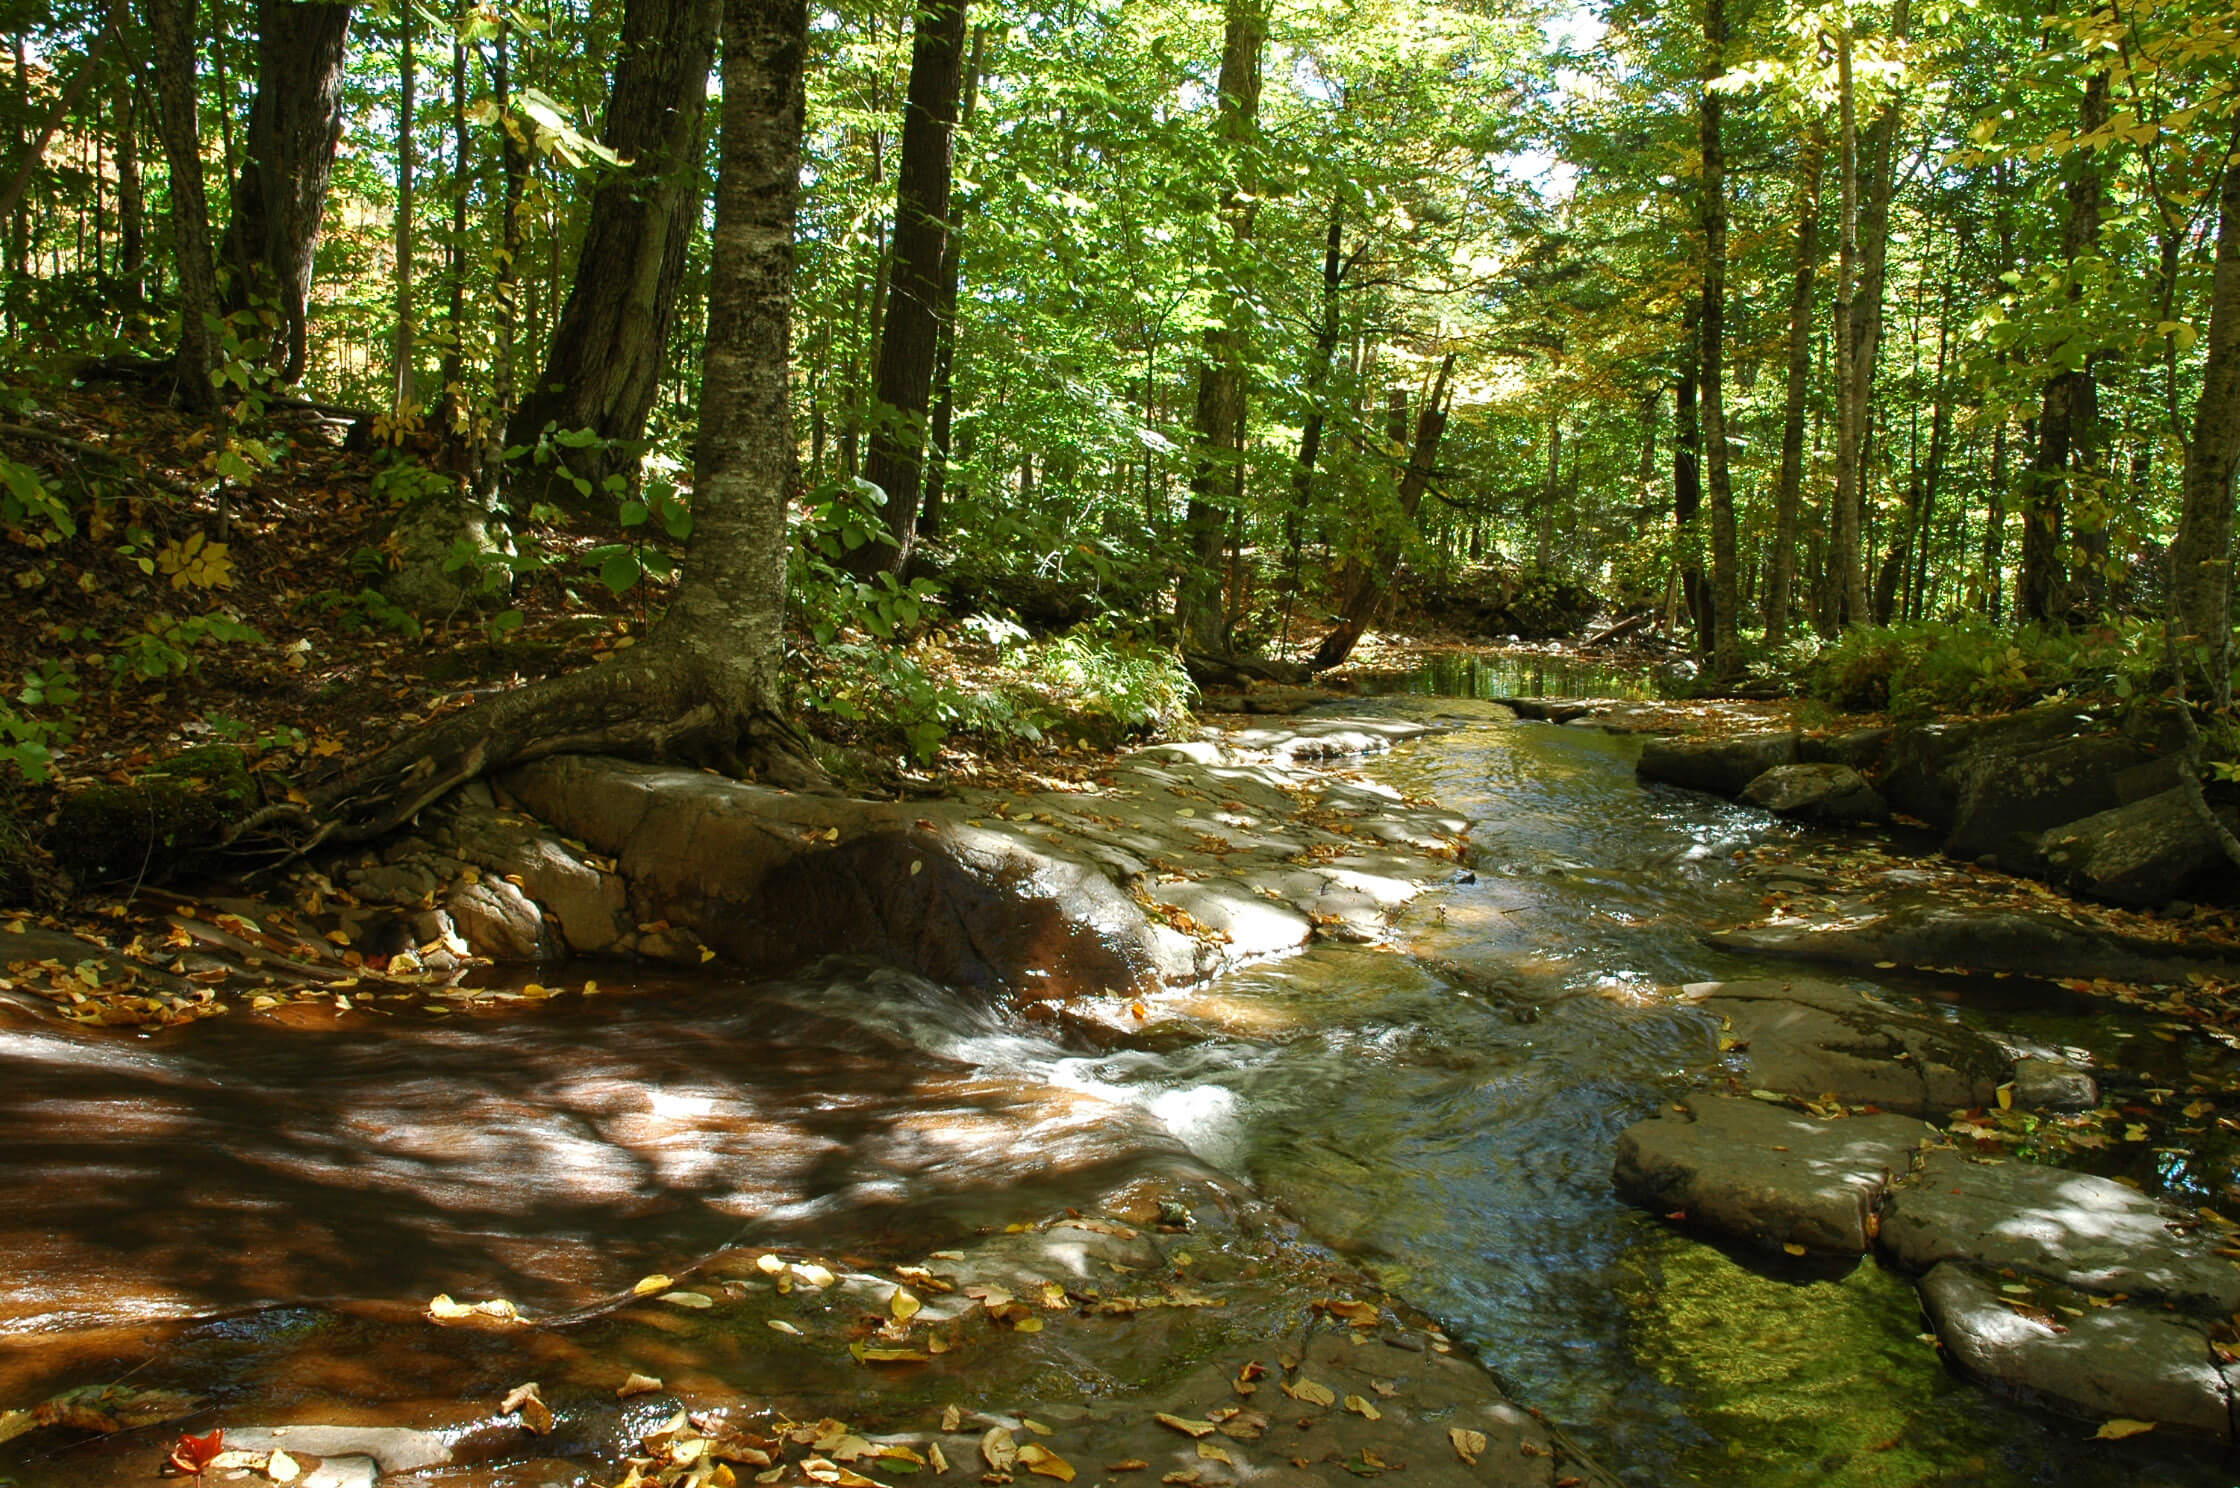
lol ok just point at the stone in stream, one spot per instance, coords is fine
(2144, 853)
(1819, 1040)
(2113, 1361)
(1766, 1173)
(1720, 765)
(2072, 1228)
(1821, 793)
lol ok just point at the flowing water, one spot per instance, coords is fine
(1445, 1119)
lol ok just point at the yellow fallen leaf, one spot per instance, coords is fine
(1793, 1248)
(1027, 1325)
(785, 1327)
(1215, 1452)
(688, 1299)
(2121, 1427)
(1362, 1407)
(810, 1274)
(999, 1449)
(647, 1285)
(637, 1384)
(1467, 1444)
(2006, 1096)
(1186, 1427)
(1311, 1392)
(868, 1355)
(282, 1468)
(1036, 1458)
(952, 1418)
(1035, 1426)
(904, 1306)
(939, 1463)
(769, 1263)
(536, 1416)
(14, 1423)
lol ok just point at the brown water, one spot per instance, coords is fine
(260, 1209)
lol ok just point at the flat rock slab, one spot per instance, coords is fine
(1766, 1173)
(1816, 1040)
(1185, 860)
(2072, 1228)
(394, 1449)
(2110, 1361)
(1914, 927)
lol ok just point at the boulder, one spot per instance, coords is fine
(1766, 1173)
(499, 921)
(1818, 1040)
(2113, 1361)
(1721, 766)
(2147, 852)
(2054, 1085)
(1861, 749)
(2070, 1228)
(1921, 767)
(2009, 794)
(1821, 793)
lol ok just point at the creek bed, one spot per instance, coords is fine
(262, 1209)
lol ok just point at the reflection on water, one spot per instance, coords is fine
(1473, 674)
(1446, 1120)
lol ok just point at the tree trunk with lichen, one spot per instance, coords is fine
(704, 686)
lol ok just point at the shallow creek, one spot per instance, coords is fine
(1443, 1119)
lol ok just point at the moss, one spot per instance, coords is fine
(154, 826)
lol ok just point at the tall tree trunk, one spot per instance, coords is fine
(1368, 595)
(35, 151)
(1789, 484)
(2067, 413)
(1319, 362)
(1846, 555)
(938, 432)
(1219, 423)
(1544, 535)
(2201, 552)
(602, 370)
(280, 196)
(132, 205)
(908, 347)
(1940, 434)
(1726, 644)
(1687, 480)
(404, 386)
(171, 29)
(454, 365)
(513, 165)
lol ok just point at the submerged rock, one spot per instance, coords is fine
(1720, 765)
(2115, 1361)
(1822, 1041)
(2071, 1228)
(1766, 1173)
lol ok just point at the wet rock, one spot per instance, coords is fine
(1821, 793)
(2144, 853)
(497, 920)
(585, 905)
(2054, 1085)
(1918, 928)
(1924, 767)
(1819, 1040)
(1765, 1173)
(1722, 766)
(395, 1449)
(392, 883)
(342, 1472)
(2071, 1228)
(1861, 749)
(2114, 1361)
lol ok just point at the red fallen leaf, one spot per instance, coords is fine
(192, 1454)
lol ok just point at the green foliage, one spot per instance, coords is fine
(25, 502)
(38, 720)
(167, 646)
(367, 609)
(1974, 665)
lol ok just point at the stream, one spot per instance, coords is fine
(1444, 1119)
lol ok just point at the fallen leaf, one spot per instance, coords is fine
(1793, 1248)
(647, 1285)
(934, 1456)
(999, 1449)
(637, 1384)
(1186, 1427)
(769, 1263)
(14, 1423)
(1467, 1444)
(1130, 1464)
(282, 1468)
(2121, 1427)
(812, 1275)
(1040, 1459)
(688, 1299)
(867, 1355)
(1314, 1394)
(536, 1416)
(1215, 1452)
(785, 1327)
(904, 1305)
(952, 1418)
(191, 1454)
(1362, 1407)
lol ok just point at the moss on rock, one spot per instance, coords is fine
(154, 826)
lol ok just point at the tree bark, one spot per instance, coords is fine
(602, 370)
(2201, 552)
(1726, 642)
(938, 432)
(1368, 595)
(280, 196)
(1219, 422)
(904, 383)
(1311, 423)
(36, 151)
(404, 386)
(1789, 484)
(1687, 480)
(2068, 412)
(171, 27)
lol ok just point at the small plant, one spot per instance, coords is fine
(165, 646)
(28, 742)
